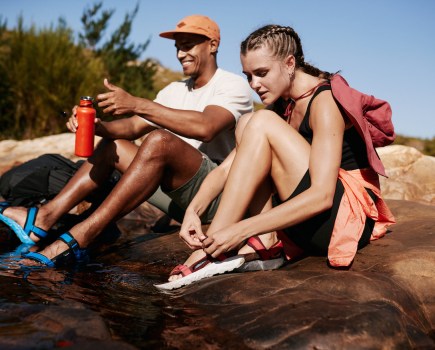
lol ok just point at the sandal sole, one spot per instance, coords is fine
(261, 265)
(211, 269)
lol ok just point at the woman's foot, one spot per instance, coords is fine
(197, 255)
(268, 240)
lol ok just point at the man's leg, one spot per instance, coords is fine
(157, 163)
(108, 155)
(165, 203)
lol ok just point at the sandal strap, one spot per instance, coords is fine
(38, 257)
(71, 242)
(224, 256)
(73, 247)
(187, 270)
(4, 206)
(265, 254)
(30, 227)
(199, 264)
(180, 269)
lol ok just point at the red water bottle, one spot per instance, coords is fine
(84, 146)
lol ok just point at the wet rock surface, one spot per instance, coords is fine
(386, 299)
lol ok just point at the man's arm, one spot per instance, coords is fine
(203, 126)
(128, 128)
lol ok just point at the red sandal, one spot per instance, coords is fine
(203, 268)
(263, 258)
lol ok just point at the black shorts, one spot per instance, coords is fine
(314, 234)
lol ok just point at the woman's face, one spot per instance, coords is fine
(267, 75)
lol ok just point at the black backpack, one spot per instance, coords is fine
(41, 179)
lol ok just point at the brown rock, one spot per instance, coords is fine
(386, 300)
(411, 174)
(12, 151)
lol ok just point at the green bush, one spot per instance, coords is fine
(44, 72)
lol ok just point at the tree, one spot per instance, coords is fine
(6, 101)
(120, 57)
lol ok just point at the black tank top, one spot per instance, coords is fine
(354, 154)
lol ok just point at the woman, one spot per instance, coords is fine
(304, 149)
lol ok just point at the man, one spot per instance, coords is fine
(202, 110)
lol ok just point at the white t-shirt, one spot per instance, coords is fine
(226, 90)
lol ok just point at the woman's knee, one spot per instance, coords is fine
(259, 121)
(241, 124)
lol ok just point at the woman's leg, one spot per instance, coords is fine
(268, 148)
(261, 202)
(108, 155)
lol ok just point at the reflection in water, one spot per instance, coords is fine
(98, 302)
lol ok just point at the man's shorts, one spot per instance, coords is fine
(174, 203)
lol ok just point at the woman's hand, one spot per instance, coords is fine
(222, 241)
(191, 230)
(117, 101)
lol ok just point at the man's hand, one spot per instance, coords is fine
(72, 123)
(117, 101)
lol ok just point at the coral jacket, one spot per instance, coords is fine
(370, 116)
(355, 207)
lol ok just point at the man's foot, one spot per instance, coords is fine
(26, 223)
(63, 251)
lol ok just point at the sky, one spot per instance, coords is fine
(384, 48)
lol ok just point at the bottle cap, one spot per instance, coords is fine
(86, 98)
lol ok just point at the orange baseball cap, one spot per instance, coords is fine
(195, 24)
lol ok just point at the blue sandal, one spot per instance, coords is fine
(29, 227)
(73, 254)
(3, 206)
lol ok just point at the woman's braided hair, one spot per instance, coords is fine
(283, 42)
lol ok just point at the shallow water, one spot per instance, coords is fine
(109, 301)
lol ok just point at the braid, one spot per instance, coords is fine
(283, 42)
